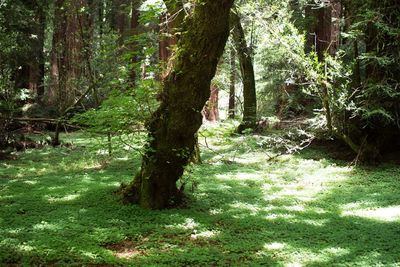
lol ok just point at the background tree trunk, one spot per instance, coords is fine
(167, 40)
(36, 66)
(211, 111)
(247, 71)
(232, 78)
(69, 55)
(324, 28)
(30, 74)
(186, 88)
(118, 17)
(133, 44)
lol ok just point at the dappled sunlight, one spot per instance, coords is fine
(26, 248)
(188, 224)
(204, 234)
(302, 256)
(306, 182)
(246, 208)
(279, 216)
(241, 176)
(275, 246)
(314, 222)
(30, 182)
(287, 212)
(323, 257)
(251, 158)
(54, 188)
(388, 214)
(66, 198)
(46, 226)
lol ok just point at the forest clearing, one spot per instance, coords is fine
(59, 207)
(199, 133)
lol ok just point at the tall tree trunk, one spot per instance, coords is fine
(31, 73)
(232, 81)
(323, 26)
(70, 52)
(36, 66)
(211, 111)
(186, 88)
(133, 44)
(327, 28)
(324, 32)
(247, 71)
(118, 17)
(167, 40)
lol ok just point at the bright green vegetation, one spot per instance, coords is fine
(57, 206)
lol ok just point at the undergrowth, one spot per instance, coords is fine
(58, 207)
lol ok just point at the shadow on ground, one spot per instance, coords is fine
(249, 212)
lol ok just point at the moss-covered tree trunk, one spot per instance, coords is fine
(247, 71)
(186, 88)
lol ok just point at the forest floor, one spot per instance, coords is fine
(244, 208)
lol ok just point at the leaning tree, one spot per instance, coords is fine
(186, 88)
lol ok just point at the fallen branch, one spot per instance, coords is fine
(48, 120)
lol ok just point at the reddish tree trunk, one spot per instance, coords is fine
(69, 52)
(211, 111)
(167, 40)
(118, 16)
(324, 28)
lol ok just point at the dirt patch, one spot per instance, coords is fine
(126, 249)
(7, 156)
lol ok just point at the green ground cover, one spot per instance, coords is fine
(57, 207)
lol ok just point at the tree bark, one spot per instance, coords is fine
(323, 28)
(232, 80)
(167, 40)
(133, 44)
(70, 52)
(186, 88)
(247, 72)
(118, 17)
(31, 73)
(36, 66)
(211, 111)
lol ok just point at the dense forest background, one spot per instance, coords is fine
(64, 58)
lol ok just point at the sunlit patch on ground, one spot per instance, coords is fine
(46, 226)
(389, 214)
(69, 197)
(57, 206)
(203, 234)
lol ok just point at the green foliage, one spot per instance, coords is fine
(10, 104)
(282, 62)
(380, 94)
(57, 208)
(16, 19)
(122, 113)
